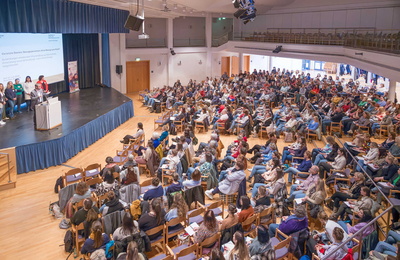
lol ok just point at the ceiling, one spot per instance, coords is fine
(153, 8)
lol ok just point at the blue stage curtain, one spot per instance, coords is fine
(59, 16)
(37, 156)
(105, 59)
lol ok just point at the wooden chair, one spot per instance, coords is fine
(79, 239)
(216, 208)
(311, 134)
(144, 185)
(121, 157)
(195, 215)
(166, 174)
(201, 126)
(159, 240)
(250, 221)
(177, 229)
(72, 176)
(221, 127)
(384, 130)
(179, 125)
(263, 131)
(337, 188)
(161, 119)
(204, 247)
(227, 199)
(266, 212)
(281, 246)
(335, 127)
(356, 249)
(190, 252)
(94, 181)
(91, 171)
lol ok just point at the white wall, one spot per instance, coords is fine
(190, 27)
(259, 62)
(156, 28)
(286, 63)
(117, 57)
(379, 18)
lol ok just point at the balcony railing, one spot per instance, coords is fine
(362, 38)
(189, 42)
(149, 43)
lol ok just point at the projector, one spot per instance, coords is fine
(143, 36)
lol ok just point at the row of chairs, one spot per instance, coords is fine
(81, 174)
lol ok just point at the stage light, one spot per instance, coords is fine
(278, 49)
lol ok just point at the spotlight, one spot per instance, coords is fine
(239, 13)
(236, 3)
(172, 51)
(278, 49)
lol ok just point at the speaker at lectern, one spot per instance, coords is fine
(48, 114)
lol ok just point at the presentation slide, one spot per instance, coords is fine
(26, 54)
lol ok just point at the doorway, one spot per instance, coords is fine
(137, 76)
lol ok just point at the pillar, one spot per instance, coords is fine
(209, 45)
(170, 57)
(392, 90)
(241, 58)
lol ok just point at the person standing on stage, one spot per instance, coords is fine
(2, 104)
(19, 91)
(11, 97)
(43, 84)
(29, 86)
(36, 98)
(37, 95)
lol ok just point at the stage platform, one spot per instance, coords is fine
(87, 116)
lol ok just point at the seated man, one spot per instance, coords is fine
(137, 135)
(299, 190)
(230, 184)
(154, 191)
(291, 224)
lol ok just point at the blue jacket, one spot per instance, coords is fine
(313, 125)
(304, 166)
(153, 193)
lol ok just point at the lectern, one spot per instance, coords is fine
(48, 114)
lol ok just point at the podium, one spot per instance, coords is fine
(48, 114)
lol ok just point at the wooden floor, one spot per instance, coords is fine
(27, 230)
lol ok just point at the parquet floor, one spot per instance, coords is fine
(27, 230)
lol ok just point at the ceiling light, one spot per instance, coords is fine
(175, 6)
(184, 9)
(203, 14)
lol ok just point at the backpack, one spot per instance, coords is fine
(69, 242)
(289, 137)
(59, 184)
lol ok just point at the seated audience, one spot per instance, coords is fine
(232, 218)
(96, 240)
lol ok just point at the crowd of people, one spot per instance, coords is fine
(15, 94)
(306, 185)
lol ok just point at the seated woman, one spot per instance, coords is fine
(326, 236)
(208, 228)
(363, 121)
(261, 243)
(371, 156)
(240, 250)
(87, 214)
(269, 175)
(194, 181)
(130, 175)
(394, 150)
(385, 146)
(129, 227)
(154, 191)
(327, 153)
(262, 198)
(113, 204)
(364, 203)
(110, 165)
(96, 240)
(137, 135)
(289, 154)
(230, 184)
(246, 212)
(353, 192)
(316, 198)
(178, 208)
(364, 218)
(338, 164)
(269, 166)
(175, 186)
(304, 166)
(232, 218)
(291, 224)
(132, 253)
(153, 218)
(82, 192)
(273, 187)
(109, 184)
(203, 118)
(338, 236)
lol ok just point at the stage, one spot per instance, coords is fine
(87, 116)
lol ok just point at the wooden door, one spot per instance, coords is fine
(226, 65)
(246, 63)
(137, 76)
(235, 65)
